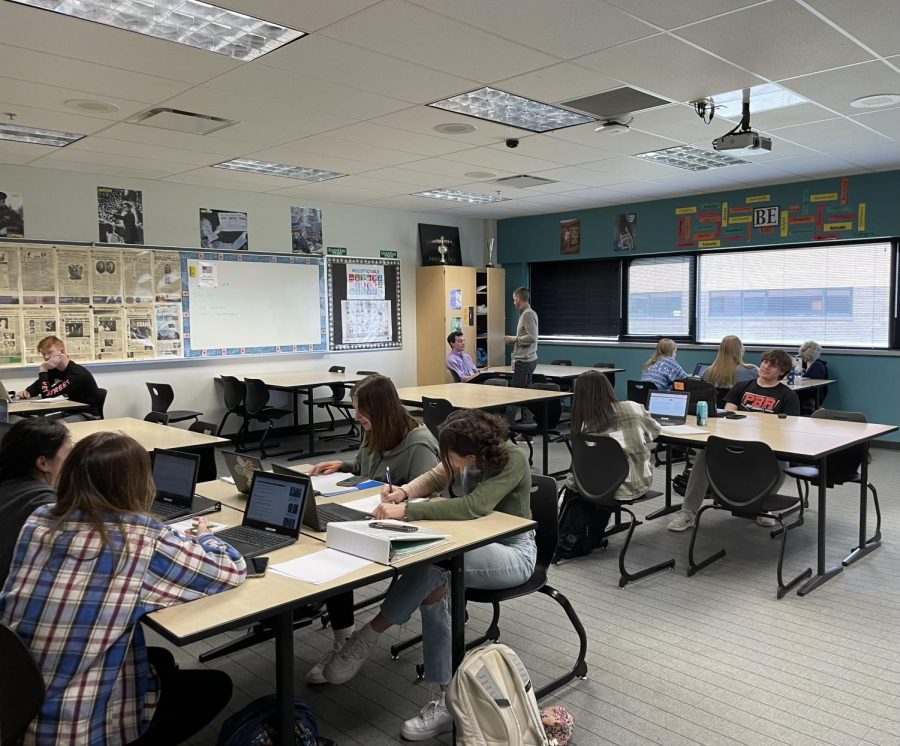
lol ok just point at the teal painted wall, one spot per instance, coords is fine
(867, 383)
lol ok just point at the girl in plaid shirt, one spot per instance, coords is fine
(83, 573)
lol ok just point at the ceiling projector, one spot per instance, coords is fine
(746, 140)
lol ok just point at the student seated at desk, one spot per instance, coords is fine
(813, 367)
(59, 375)
(662, 368)
(83, 573)
(729, 367)
(459, 362)
(474, 445)
(764, 394)
(393, 440)
(31, 458)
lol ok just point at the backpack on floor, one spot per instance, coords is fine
(582, 527)
(255, 724)
(492, 700)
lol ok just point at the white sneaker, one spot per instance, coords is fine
(347, 660)
(315, 675)
(682, 521)
(766, 520)
(433, 719)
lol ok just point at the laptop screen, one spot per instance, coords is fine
(276, 501)
(667, 406)
(241, 469)
(175, 475)
(700, 369)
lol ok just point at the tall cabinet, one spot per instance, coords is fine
(463, 298)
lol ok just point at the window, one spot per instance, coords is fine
(836, 295)
(577, 299)
(659, 296)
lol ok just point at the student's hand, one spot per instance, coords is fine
(326, 467)
(201, 527)
(23, 394)
(395, 495)
(509, 339)
(389, 510)
(48, 364)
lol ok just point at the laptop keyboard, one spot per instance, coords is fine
(165, 510)
(339, 513)
(248, 535)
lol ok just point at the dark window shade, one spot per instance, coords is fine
(577, 299)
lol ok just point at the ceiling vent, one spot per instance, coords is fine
(181, 121)
(523, 181)
(611, 104)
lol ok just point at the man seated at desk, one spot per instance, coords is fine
(765, 394)
(459, 362)
(59, 375)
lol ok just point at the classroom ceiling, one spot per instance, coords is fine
(351, 96)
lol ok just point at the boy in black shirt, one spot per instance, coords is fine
(59, 375)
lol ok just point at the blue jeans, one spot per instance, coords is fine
(499, 565)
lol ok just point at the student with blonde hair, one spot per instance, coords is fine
(662, 368)
(729, 367)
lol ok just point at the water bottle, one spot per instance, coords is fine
(702, 413)
(790, 378)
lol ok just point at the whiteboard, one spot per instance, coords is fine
(244, 304)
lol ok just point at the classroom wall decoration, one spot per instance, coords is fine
(120, 214)
(12, 215)
(570, 237)
(364, 303)
(625, 232)
(306, 230)
(224, 229)
(439, 244)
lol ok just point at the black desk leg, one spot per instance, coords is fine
(546, 436)
(284, 676)
(865, 545)
(457, 610)
(668, 507)
(822, 575)
(310, 429)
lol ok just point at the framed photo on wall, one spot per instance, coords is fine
(439, 244)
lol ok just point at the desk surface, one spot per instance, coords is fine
(36, 405)
(149, 434)
(810, 383)
(475, 395)
(304, 378)
(555, 371)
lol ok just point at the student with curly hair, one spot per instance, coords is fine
(495, 476)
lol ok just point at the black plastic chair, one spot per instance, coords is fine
(639, 391)
(454, 375)
(21, 687)
(553, 415)
(842, 468)
(335, 402)
(543, 511)
(101, 402)
(234, 392)
(743, 476)
(161, 418)
(610, 376)
(599, 466)
(256, 407)
(697, 391)
(560, 361)
(161, 397)
(434, 412)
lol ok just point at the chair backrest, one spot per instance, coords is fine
(199, 426)
(599, 466)
(544, 512)
(337, 389)
(454, 375)
(161, 417)
(434, 412)
(843, 465)
(697, 390)
(560, 361)
(257, 396)
(367, 373)
(21, 687)
(161, 396)
(495, 382)
(554, 407)
(610, 376)
(233, 392)
(101, 401)
(337, 369)
(742, 473)
(638, 391)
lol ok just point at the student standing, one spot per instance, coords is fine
(661, 367)
(525, 344)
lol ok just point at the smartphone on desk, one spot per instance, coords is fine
(394, 527)
(352, 481)
(257, 567)
(729, 415)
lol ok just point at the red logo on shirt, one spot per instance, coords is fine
(759, 402)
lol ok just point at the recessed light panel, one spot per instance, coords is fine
(452, 195)
(189, 22)
(767, 97)
(690, 158)
(876, 101)
(279, 169)
(37, 136)
(507, 108)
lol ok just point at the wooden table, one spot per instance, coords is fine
(804, 439)
(811, 384)
(38, 406)
(558, 372)
(477, 396)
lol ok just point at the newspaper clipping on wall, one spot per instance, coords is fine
(38, 323)
(106, 271)
(137, 276)
(10, 336)
(109, 337)
(168, 330)
(38, 276)
(167, 276)
(139, 332)
(73, 276)
(77, 332)
(9, 275)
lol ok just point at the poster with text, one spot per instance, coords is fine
(167, 276)
(38, 323)
(223, 229)
(77, 332)
(38, 266)
(120, 215)
(109, 334)
(10, 336)
(73, 276)
(106, 276)
(12, 215)
(306, 230)
(365, 321)
(625, 232)
(168, 330)
(365, 282)
(137, 276)
(9, 275)
(139, 342)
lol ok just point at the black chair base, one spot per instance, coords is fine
(626, 577)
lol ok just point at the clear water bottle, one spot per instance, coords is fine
(702, 413)
(790, 378)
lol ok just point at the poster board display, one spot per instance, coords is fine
(364, 304)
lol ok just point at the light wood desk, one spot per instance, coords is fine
(477, 396)
(38, 406)
(811, 384)
(558, 372)
(804, 439)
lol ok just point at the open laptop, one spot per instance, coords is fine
(317, 517)
(241, 468)
(175, 477)
(4, 394)
(668, 407)
(272, 518)
(700, 369)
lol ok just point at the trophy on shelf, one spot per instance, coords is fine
(442, 244)
(491, 241)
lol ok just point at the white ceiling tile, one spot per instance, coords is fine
(125, 172)
(549, 149)
(667, 67)
(501, 157)
(53, 98)
(62, 121)
(886, 122)
(679, 122)
(588, 27)
(627, 168)
(26, 150)
(579, 176)
(629, 143)
(451, 169)
(815, 166)
(671, 15)
(875, 24)
(227, 178)
(197, 179)
(398, 28)
(825, 136)
(138, 134)
(253, 135)
(799, 114)
(876, 157)
(370, 133)
(789, 41)
(422, 119)
(558, 83)
(294, 156)
(410, 203)
(300, 16)
(70, 155)
(837, 88)
(325, 145)
(11, 159)
(417, 180)
(141, 150)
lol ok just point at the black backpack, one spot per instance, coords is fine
(582, 527)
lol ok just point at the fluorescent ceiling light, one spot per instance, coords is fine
(37, 136)
(190, 22)
(279, 169)
(690, 158)
(507, 108)
(767, 97)
(452, 195)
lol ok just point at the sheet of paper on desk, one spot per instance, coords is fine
(327, 484)
(682, 430)
(61, 397)
(368, 504)
(227, 480)
(187, 526)
(320, 567)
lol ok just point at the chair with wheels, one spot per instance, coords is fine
(234, 392)
(543, 511)
(600, 466)
(161, 418)
(161, 397)
(335, 402)
(435, 411)
(743, 476)
(610, 376)
(842, 467)
(550, 421)
(256, 407)
(21, 687)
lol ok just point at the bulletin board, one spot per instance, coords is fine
(364, 304)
